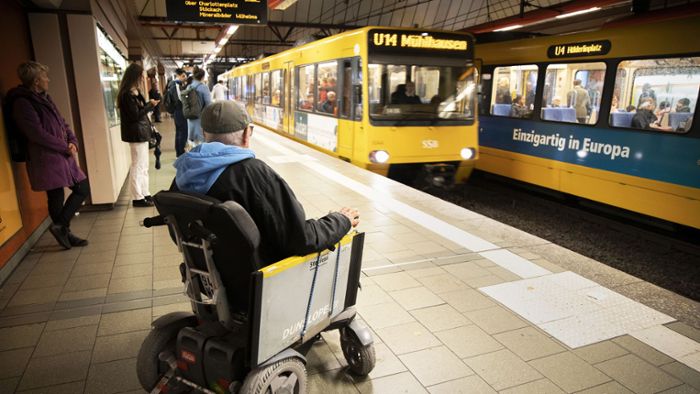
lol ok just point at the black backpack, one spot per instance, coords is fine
(191, 103)
(170, 101)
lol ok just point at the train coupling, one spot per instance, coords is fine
(440, 175)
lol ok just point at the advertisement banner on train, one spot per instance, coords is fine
(10, 219)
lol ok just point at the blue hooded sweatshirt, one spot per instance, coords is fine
(198, 169)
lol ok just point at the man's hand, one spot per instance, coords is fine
(352, 214)
(72, 148)
(154, 102)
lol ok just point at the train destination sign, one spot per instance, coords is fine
(222, 11)
(409, 42)
(589, 48)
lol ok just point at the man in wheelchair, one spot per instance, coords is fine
(226, 168)
(262, 284)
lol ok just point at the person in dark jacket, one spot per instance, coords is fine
(645, 119)
(51, 150)
(226, 169)
(136, 130)
(174, 88)
(154, 94)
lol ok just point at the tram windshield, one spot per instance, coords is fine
(412, 92)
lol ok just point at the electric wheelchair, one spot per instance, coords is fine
(251, 325)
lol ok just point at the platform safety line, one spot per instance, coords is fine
(504, 258)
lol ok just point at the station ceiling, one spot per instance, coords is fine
(308, 19)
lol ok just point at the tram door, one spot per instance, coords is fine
(288, 98)
(347, 126)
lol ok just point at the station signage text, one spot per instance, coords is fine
(220, 11)
(589, 48)
(408, 42)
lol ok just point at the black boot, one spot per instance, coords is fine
(142, 203)
(60, 232)
(75, 240)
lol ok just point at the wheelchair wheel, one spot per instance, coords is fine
(361, 359)
(149, 368)
(285, 376)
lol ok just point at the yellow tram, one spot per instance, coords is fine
(606, 115)
(400, 103)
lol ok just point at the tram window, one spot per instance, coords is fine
(266, 88)
(327, 90)
(421, 92)
(572, 92)
(258, 88)
(514, 91)
(276, 87)
(305, 91)
(656, 94)
(346, 77)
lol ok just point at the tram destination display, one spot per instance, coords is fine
(222, 11)
(408, 42)
(579, 49)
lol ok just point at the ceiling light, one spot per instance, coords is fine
(280, 4)
(579, 12)
(223, 41)
(231, 29)
(508, 28)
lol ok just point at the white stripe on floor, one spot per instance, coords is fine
(571, 308)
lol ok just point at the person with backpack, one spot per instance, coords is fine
(194, 99)
(136, 130)
(49, 147)
(173, 105)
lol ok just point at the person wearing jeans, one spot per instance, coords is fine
(51, 149)
(136, 130)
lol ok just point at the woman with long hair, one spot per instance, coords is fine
(136, 130)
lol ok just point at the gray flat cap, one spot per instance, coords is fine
(224, 117)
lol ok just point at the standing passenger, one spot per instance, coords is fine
(579, 100)
(218, 92)
(154, 94)
(136, 130)
(174, 89)
(51, 149)
(194, 126)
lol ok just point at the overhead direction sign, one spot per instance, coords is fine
(240, 12)
(579, 49)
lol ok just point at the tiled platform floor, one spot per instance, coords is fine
(73, 321)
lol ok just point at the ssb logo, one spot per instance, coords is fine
(430, 144)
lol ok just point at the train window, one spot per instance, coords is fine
(258, 88)
(421, 92)
(514, 91)
(276, 87)
(357, 83)
(327, 94)
(656, 94)
(266, 88)
(572, 92)
(306, 87)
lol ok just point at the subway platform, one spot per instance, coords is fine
(457, 302)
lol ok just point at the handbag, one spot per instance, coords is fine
(154, 138)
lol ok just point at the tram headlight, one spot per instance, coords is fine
(467, 153)
(379, 156)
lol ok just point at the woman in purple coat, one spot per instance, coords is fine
(51, 150)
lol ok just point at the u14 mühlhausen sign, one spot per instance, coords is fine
(222, 11)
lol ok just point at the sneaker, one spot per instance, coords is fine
(76, 241)
(143, 203)
(148, 198)
(61, 234)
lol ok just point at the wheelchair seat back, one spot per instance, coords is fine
(221, 231)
